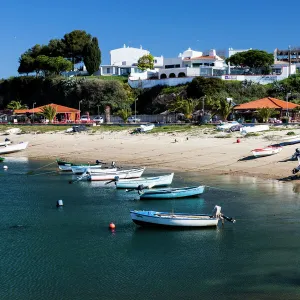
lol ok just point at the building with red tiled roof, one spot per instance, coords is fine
(284, 107)
(70, 114)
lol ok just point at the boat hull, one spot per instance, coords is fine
(133, 173)
(13, 148)
(157, 181)
(266, 151)
(77, 170)
(151, 218)
(173, 193)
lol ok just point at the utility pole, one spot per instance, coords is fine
(289, 61)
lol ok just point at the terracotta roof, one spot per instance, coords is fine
(59, 109)
(201, 57)
(267, 102)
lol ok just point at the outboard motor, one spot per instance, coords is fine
(113, 164)
(296, 170)
(7, 140)
(98, 162)
(296, 155)
(217, 212)
(140, 188)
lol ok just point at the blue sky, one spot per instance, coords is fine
(163, 27)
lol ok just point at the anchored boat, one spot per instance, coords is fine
(157, 181)
(170, 193)
(107, 174)
(170, 219)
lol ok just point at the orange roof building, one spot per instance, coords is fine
(268, 103)
(71, 114)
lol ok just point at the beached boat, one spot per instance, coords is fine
(147, 127)
(110, 175)
(226, 125)
(77, 170)
(253, 128)
(270, 150)
(13, 148)
(170, 219)
(163, 180)
(67, 166)
(171, 193)
(290, 140)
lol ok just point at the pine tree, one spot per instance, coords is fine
(92, 56)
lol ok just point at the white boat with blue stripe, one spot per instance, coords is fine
(171, 193)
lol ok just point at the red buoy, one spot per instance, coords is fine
(238, 140)
(112, 226)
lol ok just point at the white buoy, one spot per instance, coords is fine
(59, 203)
(5, 167)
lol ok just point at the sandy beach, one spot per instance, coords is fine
(196, 150)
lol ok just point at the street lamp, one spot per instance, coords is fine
(287, 103)
(33, 111)
(289, 60)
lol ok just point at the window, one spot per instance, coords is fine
(108, 70)
(206, 64)
(155, 61)
(123, 63)
(212, 64)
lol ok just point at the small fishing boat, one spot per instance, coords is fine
(13, 148)
(157, 181)
(110, 175)
(254, 128)
(147, 127)
(171, 193)
(2, 159)
(67, 166)
(270, 150)
(170, 219)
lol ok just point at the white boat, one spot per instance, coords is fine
(169, 219)
(254, 128)
(110, 175)
(147, 127)
(226, 125)
(270, 150)
(290, 140)
(77, 170)
(13, 131)
(150, 182)
(13, 148)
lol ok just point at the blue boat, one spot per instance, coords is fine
(171, 193)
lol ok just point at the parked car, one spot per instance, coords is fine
(84, 118)
(98, 119)
(133, 119)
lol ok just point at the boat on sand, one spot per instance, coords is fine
(13, 148)
(270, 150)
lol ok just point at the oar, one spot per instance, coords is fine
(113, 180)
(229, 219)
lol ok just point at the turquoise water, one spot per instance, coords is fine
(69, 253)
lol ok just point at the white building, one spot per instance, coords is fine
(188, 63)
(123, 61)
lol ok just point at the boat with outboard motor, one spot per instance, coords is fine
(171, 219)
(108, 174)
(67, 166)
(270, 150)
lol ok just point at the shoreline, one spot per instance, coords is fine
(179, 151)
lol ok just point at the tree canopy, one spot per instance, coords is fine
(60, 54)
(92, 56)
(254, 59)
(146, 62)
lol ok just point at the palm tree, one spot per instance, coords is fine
(49, 112)
(16, 105)
(124, 114)
(265, 113)
(185, 106)
(224, 108)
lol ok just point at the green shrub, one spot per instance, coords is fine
(291, 133)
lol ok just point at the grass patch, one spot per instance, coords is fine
(35, 128)
(250, 134)
(225, 136)
(291, 133)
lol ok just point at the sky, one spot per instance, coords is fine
(163, 27)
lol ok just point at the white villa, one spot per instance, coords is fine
(123, 61)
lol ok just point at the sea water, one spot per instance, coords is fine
(69, 252)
